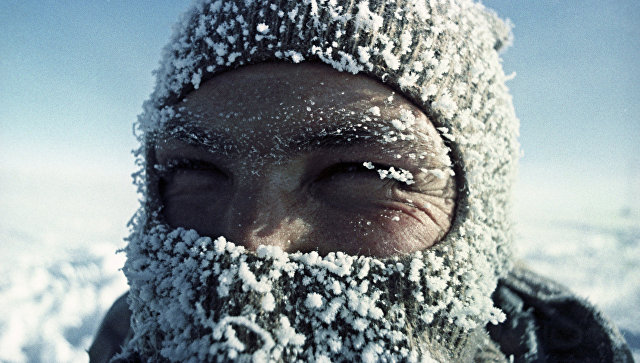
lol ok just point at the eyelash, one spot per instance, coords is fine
(341, 167)
(170, 167)
(167, 170)
(350, 167)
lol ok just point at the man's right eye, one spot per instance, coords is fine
(189, 177)
(194, 193)
(187, 165)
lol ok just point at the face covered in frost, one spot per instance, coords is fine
(306, 158)
(335, 192)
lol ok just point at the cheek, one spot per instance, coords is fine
(190, 205)
(381, 232)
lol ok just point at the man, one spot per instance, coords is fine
(330, 181)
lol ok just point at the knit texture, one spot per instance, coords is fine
(442, 55)
(338, 307)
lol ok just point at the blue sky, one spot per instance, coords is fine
(74, 75)
(578, 79)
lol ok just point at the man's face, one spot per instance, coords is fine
(320, 168)
(306, 158)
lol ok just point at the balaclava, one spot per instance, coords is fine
(196, 298)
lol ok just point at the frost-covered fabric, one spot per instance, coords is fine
(545, 323)
(442, 55)
(198, 299)
(548, 323)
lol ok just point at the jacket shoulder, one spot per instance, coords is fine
(546, 322)
(113, 333)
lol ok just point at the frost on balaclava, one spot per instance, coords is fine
(196, 298)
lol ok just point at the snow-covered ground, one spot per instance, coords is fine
(59, 230)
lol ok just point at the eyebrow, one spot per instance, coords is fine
(334, 138)
(337, 137)
(197, 137)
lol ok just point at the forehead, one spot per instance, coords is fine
(283, 102)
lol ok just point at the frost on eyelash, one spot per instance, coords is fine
(286, 306)
(401, 175)
(262, 28)
(445, 133)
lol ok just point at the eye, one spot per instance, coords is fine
(348, 170)
(353, 183)
(193, 193)
(174, 166)
(189, 177)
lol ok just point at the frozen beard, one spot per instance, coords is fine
(198, 299)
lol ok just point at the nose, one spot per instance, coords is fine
(264, 213)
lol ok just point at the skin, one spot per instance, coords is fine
(272, 154)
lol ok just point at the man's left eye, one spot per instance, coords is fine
(353, 184)
(347, 170)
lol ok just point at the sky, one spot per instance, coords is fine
(578, 78)
(75, 73)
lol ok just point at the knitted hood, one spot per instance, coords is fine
(443, 56)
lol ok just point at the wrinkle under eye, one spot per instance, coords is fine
(353, 183)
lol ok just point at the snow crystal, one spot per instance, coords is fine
(445, 104)
(416, 267)
(335, 287)
(367, 19)
(287, 335)
(407, 117)
(262, 28)
(313, 301)
(398, 124)
(391, 59)
(399, 174)
(375, 111)
(405, 41)
(250, 281)
(364, 54)
(268, 302)
(296, 57)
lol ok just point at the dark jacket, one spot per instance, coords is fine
(545, 323)
(548, 323)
